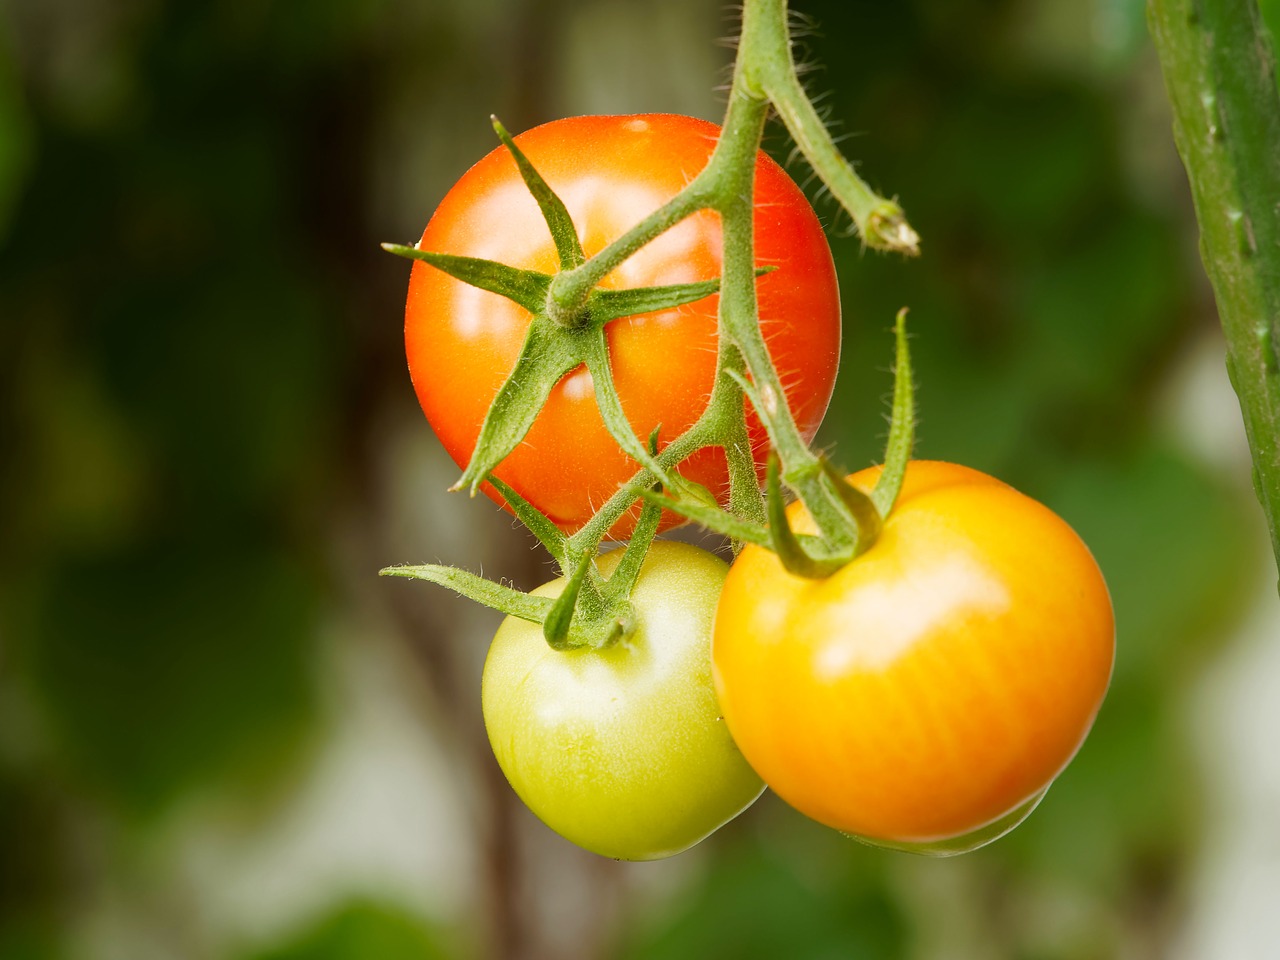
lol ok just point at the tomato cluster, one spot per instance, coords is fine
(922, 697)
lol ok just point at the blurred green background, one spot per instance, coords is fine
(222, 736)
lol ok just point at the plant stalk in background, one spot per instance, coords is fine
(1220, 73)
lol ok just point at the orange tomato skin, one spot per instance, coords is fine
(611, 172)
(926, 694)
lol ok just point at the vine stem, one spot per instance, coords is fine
(763, 73)
(739, 317)
(769, 70)
(1220, 74)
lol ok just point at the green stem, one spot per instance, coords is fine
(599, 525)
(726, 185)
(570, 289)
(1220, 74)
(770, 73)
(735, 164)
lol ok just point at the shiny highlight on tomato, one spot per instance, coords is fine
(926, 695)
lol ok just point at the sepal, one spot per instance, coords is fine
(512, 602)
(528, 288)
(902, 423)
(563, 232)
(539, 524)
(714, 518)
(559, 620)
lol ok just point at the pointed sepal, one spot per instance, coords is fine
(611, 304)
(539, 524)
(563, 232)
(528, 288)
(514, 603)
(544, 359)
(559, 620)
(902, 423)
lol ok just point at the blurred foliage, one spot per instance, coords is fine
(762, 900)
(169, 354)
(15, 146)
(172, 664)
(195, 331)
(32, 872)
(361, 929)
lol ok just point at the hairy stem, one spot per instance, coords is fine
(569, 290)
(769, 70)
(734, 161)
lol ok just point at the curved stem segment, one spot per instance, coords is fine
(902, 423)
(771, 73)
(1220, 73)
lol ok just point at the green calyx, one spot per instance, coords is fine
(860, 515)
(590, 612)
(550, 351)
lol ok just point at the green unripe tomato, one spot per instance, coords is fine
(622, 750)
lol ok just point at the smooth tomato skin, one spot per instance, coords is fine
(611, 172)
(622, 750)
(925, 695)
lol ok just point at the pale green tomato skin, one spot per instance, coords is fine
(622, 751)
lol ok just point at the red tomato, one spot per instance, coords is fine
(611, 172)
(925, 695)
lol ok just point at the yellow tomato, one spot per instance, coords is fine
(924, 696)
